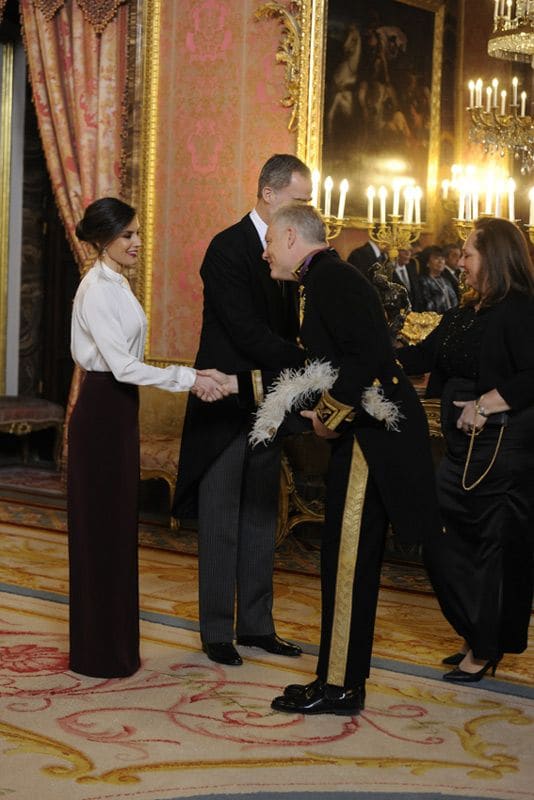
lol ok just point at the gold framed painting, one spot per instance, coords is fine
(370, 94)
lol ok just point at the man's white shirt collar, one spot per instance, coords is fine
(260, 226)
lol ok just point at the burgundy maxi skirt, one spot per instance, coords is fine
(102, 498)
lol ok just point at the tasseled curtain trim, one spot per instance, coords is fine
(97, 12)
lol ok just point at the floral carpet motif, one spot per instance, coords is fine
(184, 727)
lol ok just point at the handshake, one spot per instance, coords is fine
(210, 385)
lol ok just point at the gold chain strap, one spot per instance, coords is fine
(474, 433)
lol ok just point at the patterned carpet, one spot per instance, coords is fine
(183, 727)
(36, 497)
(186, 728)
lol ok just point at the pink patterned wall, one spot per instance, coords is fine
(219, 119)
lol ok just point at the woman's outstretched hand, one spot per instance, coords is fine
(212, 384)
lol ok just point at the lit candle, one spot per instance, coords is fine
(498, 192)
(489, 194)
(471, 85)
(531, 215)
(328, 186)
(382, 196)
(467, 211)
(509, 14)
(445, 189)
(371, 193)
(511, 199)
(514, 91)
(408, 205)
(523, 103)
(502, 8)
(488, 98)
(396, 196)
(495, 84)
(343, 189)
(478, 93)
(496, 11)
(461, 204)
(475, 203)
(417, 193)
(503, 102)
(316, 178)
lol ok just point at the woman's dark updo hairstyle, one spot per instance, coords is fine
(506, 262)
(103, 221)
(424, 257)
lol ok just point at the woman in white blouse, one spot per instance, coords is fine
(108, 339)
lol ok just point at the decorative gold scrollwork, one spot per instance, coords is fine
(288, 50)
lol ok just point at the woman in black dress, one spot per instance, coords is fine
(108, 339)
(481, 360)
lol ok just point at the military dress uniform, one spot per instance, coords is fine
(380, 470)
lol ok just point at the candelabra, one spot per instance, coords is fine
(401, 231)
(334, 224)
(394, 235)
(499, 125)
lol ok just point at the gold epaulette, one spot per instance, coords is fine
(331, 412)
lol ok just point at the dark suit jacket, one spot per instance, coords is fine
(415, 294)
(363, 258)
(344, 323)
(506, 359)
(248, 322)
(452, 280)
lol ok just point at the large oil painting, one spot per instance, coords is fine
(382, 72)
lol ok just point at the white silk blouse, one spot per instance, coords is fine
(108, 333)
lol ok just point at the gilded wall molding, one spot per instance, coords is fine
(288, 52)
(6, 115)
(149, 133)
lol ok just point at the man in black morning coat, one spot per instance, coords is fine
(380, 468)
(249, 321)
(365, 256)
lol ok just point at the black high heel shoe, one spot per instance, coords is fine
(454, 660)
(458, 675)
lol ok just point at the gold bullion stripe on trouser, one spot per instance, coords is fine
(346, 568)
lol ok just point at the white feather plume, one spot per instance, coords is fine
(379, 407)
(292, 390)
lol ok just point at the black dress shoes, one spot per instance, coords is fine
(222, 653)
(294, 689)
(272, 644)
(322, 698)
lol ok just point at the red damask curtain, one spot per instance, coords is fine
(78, 79)
(2, 7)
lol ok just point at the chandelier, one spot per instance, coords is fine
(499, 120)
(513, 31)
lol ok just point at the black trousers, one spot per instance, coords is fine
(102, 497)
(351, 556)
